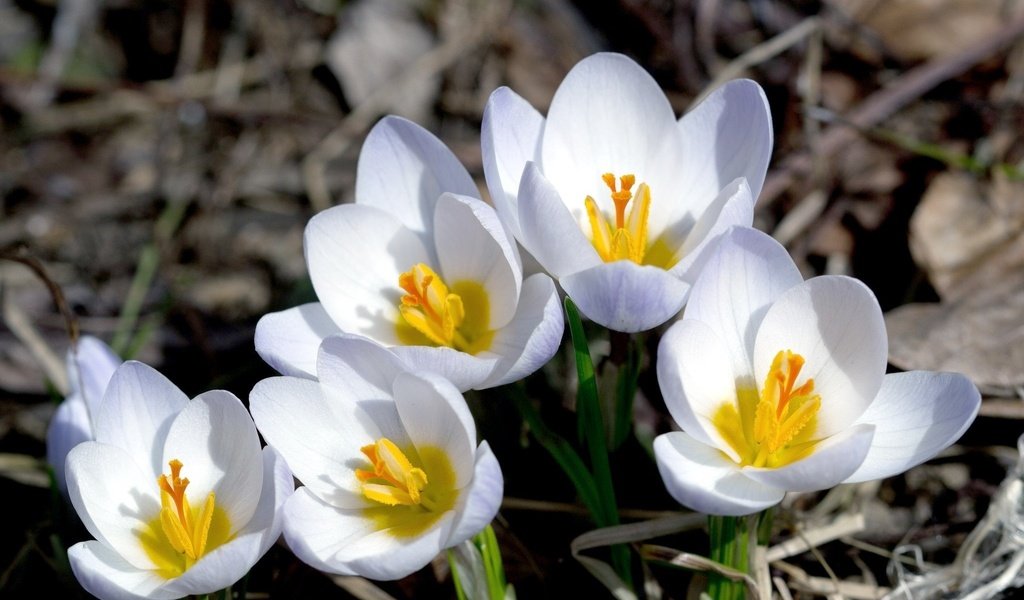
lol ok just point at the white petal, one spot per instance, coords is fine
(624, 296)
(278, 486)
(288, 340)
(114, 497)
(726, 136)
(733, 207)
(136, 413)
(346, 542)
(68, 428)
(472, 246)
(745, 274)
(916, 415)
(534, 335)
(355, 255)
(321, 449)
(229, 563)
(835, 323)
(104, 574)
(403, 168)
(466, 371)
(703, 479)
(216, 441)
(549, 232)
(479, 503)
(435, 414)
(359, 366)
(91, 364)
(696, 378)
(509, 138)
(609, 115)
(833, 460)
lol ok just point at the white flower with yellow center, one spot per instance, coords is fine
(90, 365)
(419, 265)
(391, 468)
(615, 198)
(779, 385)
(178, 493)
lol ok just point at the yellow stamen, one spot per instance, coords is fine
(627, 239)
(780, 427)
(186, 535)
(457, 317)
(393, 479)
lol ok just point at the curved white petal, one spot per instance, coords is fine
(833, 460)
(745, 274)
(356, 371)
(466, 371)
(114, 497)
(104, 574)
(136, 413)
(609, 115)
(703, 479)
(435, 414)
(288, 340)
(624, 296)
(348, 543)
(355, 255)
(733, 207)
(358, 366)
(916, 415)
(549, 232)
(69, 427)
(696, 378)
(321, 449)
(216, 441)
(472, 246)
(278, 486)
(227, 564)
(728, 135)
(835, 323)
(533, 336)
(479, 503)
(91, 364)
(403, 168)
(509, 138)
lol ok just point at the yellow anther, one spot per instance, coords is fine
(777, 426)
(393, 480)
(187, 533)
(627, 239)
(458, 317)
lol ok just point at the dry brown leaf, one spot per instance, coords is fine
(376, 41)
(916, 30)
(980, 335)
(968, 236)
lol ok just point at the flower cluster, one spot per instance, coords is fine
(778, 384)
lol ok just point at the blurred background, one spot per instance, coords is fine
(159, 161)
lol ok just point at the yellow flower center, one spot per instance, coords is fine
(180, 535)
(409, 501)
(627, 238)
(434, 314)
(777, 426)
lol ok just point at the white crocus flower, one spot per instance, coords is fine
(178, 494)
(90, 364)
(779, 385)
(420, 265)
(614, 197)
(391, 468)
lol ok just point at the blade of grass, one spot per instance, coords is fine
(560, 450)
(589, 411)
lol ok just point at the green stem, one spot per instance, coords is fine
(592, 433)
(729, 546)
